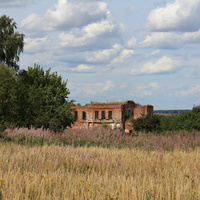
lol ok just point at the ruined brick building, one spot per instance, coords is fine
(115, 114)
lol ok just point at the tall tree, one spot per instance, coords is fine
(43, 99)
(11, 42)
(8, 100)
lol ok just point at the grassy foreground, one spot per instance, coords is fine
(64, 172)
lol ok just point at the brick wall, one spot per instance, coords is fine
(114, 114)
(143, 110)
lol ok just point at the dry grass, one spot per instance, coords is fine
(53, 172)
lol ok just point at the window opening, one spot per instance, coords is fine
(84, 115)
(76, 115)
(109, 114)
(96, 114)
(103, 116)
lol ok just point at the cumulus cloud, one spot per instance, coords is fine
(181, 15)
(171, 40)
(163, 65)
(91, 89)
(35, 45)
(102, 33)
(108, 85)
(155, 52)
(15, 3)
(70, 14)
(33, 22)
(132, 43)
(125, 54)
(74, 24)
(104, 55)
(143, 91)
(83, 68)
(67, 14)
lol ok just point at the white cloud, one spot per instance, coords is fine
(125, 54)
(67, 14)
(144, 91)
(33, 23)
(155, 52)
(35, 45)
(83, 68)
(104, 55)
(108, 85)
(195, 90)
(132, 43)
(181, 15)
(13, 3)
(154, 85)
(100, 34)
(163, 65)
(141, 94)
(170, 40)
(91, 89)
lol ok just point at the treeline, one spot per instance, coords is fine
(34, 98)
(169, 111)
(156, 123)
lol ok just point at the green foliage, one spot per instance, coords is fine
(34, 98)
(147, 123)
(105, 124)
(46, 95)
(11, 42)
(184, 121)
(8, 86)
(196, 109)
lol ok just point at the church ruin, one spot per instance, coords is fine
(115, 114)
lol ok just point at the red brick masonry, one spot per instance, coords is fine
(115, 114)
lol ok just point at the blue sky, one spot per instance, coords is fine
(145, 51)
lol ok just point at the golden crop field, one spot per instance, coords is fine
(62, 173)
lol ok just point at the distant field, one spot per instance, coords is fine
(58, 172)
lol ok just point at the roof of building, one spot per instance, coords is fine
(110, 103)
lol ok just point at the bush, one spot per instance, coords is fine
(105, 125)
(185, 121)
(148, 123)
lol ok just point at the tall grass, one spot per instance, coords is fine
(104, 137)
(68, 173)
(75, 165)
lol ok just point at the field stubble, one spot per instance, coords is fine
(64, 172)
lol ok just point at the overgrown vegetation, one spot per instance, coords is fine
(160, 124)
(104, 137)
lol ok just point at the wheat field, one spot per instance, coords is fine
(53, 172)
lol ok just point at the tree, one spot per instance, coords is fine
(11, 42)
(43, 100)
(147, 123)
(8, 102)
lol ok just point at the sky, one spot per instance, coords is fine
(114, 50)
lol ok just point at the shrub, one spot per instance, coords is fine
(148, 123)
(105, 125)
